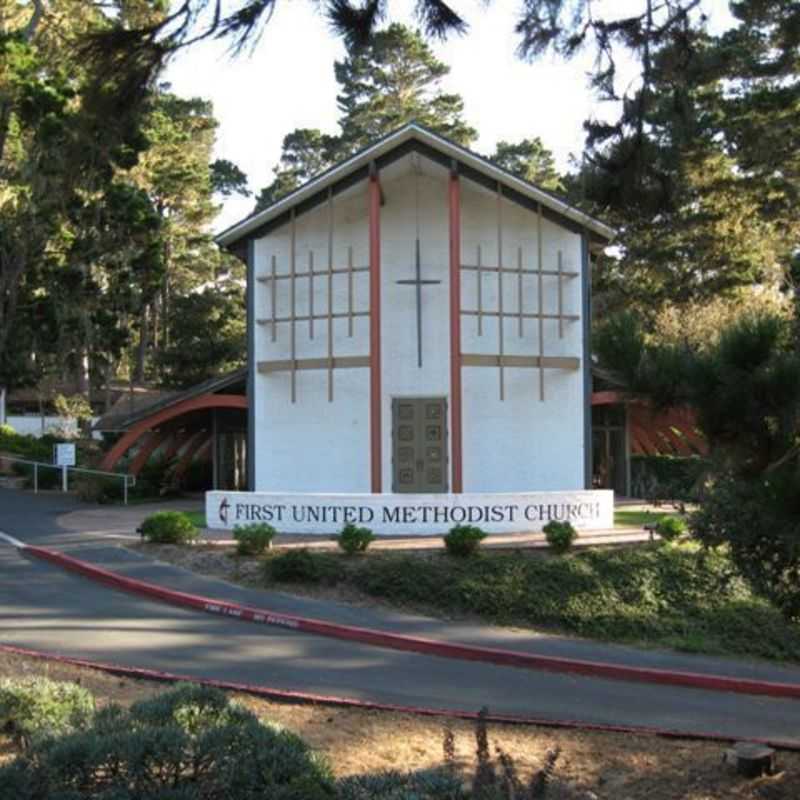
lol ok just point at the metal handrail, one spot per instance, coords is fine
(129, 481)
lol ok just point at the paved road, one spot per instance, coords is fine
(42, 607)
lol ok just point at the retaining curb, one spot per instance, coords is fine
(395, 641)
(286, 696)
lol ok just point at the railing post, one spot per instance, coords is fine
(35, 477)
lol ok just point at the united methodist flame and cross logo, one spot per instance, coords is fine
(224, 505)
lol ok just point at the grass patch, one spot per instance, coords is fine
(637, 519)
(655, 595)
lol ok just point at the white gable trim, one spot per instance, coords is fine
(411, 131)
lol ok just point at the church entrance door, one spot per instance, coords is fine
(419, 444)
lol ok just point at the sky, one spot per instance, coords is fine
(288, 82)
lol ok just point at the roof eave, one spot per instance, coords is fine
(240, 230)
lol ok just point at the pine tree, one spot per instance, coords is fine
(394, 79)
(530, 160)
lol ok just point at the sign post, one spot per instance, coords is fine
(64, 457)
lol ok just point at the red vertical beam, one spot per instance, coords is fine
(375, 399)
(456, 453)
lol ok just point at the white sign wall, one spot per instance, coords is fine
(410, 514)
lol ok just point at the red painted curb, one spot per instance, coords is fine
(285, 696)
(395, 641)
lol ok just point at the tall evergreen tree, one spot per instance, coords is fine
(530, 160)
(392, 80)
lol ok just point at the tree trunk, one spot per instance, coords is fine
(141, 353)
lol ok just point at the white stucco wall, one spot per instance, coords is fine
(520, 444)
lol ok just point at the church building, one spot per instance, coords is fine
(418, 322)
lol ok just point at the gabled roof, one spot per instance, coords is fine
(411, 137)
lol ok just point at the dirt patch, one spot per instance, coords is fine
(597, 766)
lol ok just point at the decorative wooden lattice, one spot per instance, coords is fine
(331, 361)
(501, 360)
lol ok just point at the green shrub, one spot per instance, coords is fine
(34, 707)
(25, 445)
(302, 566)
(665, 476)
(97, 490)
(560, 535)
(169, 527)
(253, 539)
(354, 540)
(188, 743)
(463, 540)
(757, 520)
(671, 528)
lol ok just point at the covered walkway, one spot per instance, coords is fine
(203, 425)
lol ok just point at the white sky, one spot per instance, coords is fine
(288, 83)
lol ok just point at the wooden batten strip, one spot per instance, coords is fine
(288, 364)
(480, 293)
(519, 292)
(293, 302)
(320, 315)
(273, 294)
(538, 362)
(540, 293)
(483, 268)
(310, 294)
(330, 295)
(320, 273)
(500, 271)
(560, 296)
(471, 312)
(350, 271)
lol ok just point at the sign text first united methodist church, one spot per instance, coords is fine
(410, 514)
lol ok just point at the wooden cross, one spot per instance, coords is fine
(419, 282)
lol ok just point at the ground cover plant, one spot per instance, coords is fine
(169, 527)
(659, 594)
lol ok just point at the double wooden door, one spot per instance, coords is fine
(419, 444)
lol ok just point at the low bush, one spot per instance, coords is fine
(98, 490)
(560, 535)
(34, 707)
(671, 528)
(188, 743)
(253, 539)
(169, 527)
(354, 540)
(463, 540)
(302, 566)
